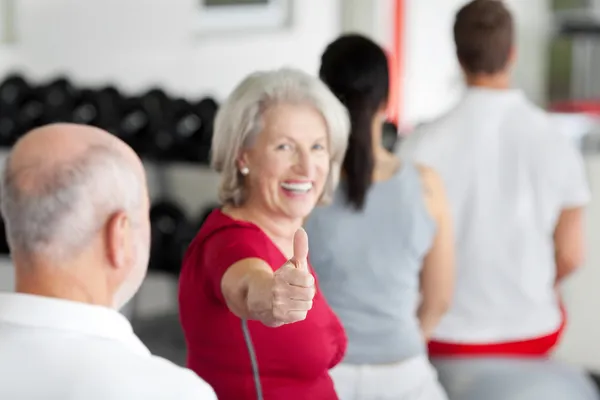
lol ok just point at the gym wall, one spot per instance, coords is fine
(140, 43)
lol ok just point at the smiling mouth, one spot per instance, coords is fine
(297, 187)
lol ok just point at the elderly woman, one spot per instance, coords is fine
(255, 322)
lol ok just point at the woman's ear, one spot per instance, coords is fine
(242, 161)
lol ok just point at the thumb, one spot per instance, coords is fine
(300, 249)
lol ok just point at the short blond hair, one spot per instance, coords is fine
(239, 120)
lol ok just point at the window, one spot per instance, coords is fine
(217, 3)
(242, 15)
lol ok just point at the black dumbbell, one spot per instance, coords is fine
(145, 124)
(85, 109)
(15, 93)
(207, 109)
(134, 126)
(171, 235)
(187, 124)
(9, 131)
(99, 107)
(158, 107)
(31, 112)
(155, 101)
(58, 98)
(3, 242)
(389, 136)
(194, 128)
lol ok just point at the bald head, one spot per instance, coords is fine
(46, 150)
(60, 184)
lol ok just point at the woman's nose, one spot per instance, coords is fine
(305, 162)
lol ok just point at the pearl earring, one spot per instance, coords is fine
(244, 171)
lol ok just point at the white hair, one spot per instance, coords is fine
(239, 120)
(56, 210)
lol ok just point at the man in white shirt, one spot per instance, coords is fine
(76, 210)
(517, 189)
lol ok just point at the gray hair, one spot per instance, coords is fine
(239, 120)
(56, 210)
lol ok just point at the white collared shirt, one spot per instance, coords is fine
(508, 174)
(52, 349)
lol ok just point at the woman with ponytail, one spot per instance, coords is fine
(383, 248)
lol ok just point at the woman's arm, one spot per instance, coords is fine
(253, 291)
(437, 274)
(246, 279)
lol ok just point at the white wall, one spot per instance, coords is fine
(138, 43)
(579, 344)
(533, 21)
(432, 80)
(371, 18)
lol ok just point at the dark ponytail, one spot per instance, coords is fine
(356, 70)
(359, 160)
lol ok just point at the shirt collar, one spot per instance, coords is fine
(478, 91)
(58, 314)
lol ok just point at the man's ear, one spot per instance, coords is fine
(119, 240)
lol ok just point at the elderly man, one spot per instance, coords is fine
(75, 204)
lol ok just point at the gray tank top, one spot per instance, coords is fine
(368, 265)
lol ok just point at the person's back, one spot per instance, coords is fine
(56, 350)
(517, 190)
(383, 248)
(369, 266)
(507, 175)
(76, 211)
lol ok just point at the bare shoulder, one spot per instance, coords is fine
(432, 183)
(433, 190)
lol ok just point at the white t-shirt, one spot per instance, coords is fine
(508, 174)
(53, 349)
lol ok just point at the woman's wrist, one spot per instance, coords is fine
(259, 296)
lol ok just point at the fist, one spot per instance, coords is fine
(293, 285)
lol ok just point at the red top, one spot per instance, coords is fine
(293, 360)
(534, 347)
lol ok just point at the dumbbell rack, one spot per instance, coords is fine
(164, 187)
(165, 131)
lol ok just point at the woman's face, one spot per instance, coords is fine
(289, 161)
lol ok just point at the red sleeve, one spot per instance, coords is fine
(228, 246)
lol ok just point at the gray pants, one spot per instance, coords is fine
(412, 379)
(513, 379)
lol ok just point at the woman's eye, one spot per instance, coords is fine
(284, 147)
(318, 147)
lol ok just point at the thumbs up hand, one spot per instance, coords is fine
(300, 257)
(293, 286)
